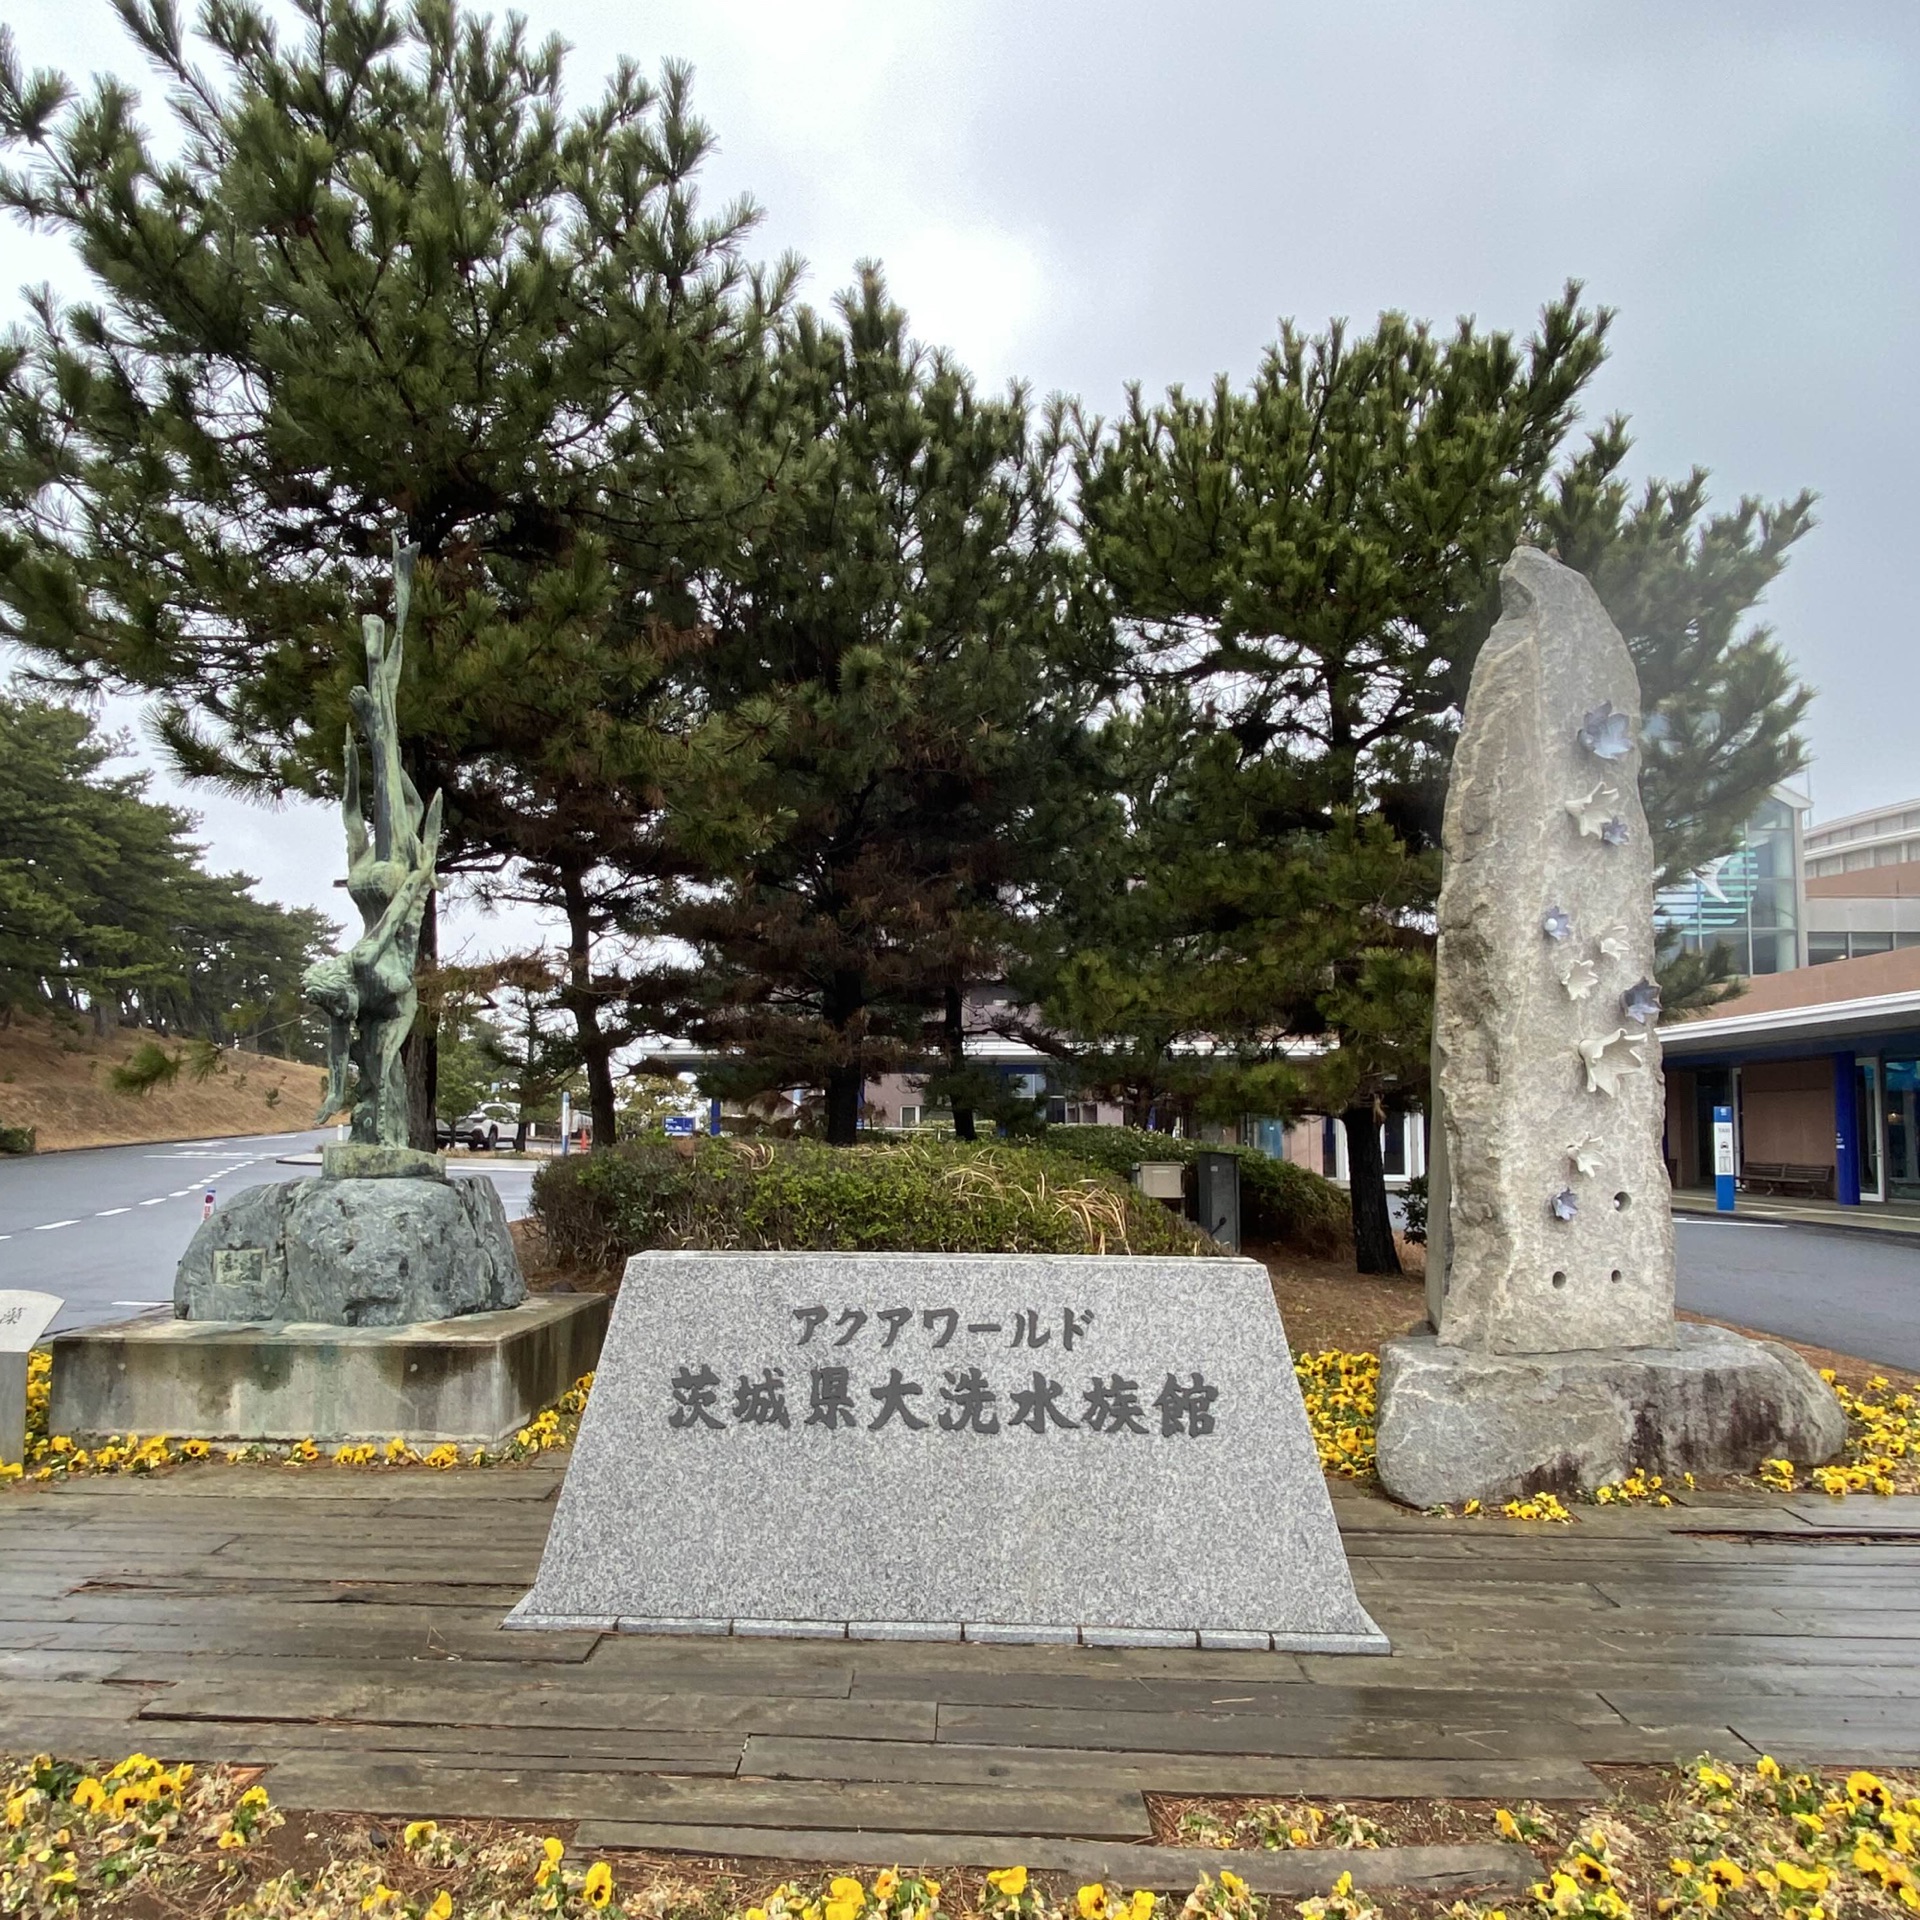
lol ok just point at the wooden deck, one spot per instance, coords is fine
(344, 1629)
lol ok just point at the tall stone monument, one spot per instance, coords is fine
(1556, 1362)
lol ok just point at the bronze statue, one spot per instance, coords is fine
(368, 993)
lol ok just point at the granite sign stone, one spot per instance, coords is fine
(24, 1317)
(931, 1446)
(1555, 1360)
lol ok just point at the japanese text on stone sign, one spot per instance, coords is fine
(961, 1398)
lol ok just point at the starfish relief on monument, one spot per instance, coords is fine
(1555, 1361)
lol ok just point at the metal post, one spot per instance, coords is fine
(1723, 1162)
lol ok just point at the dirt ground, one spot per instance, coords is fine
(55, 1080)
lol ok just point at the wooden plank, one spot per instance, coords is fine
(528, 1749)
(1505, 1705)
(408, 1788)
(463, 1696)
(1347, 1736)
(779, 1757)
(289, 1641)
(1305, 1870)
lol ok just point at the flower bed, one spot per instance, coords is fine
(1882, 1453)
(1340, 1390)
(52, 1456)
(146, 1838)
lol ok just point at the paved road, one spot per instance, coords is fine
(1850, 1292)
(104, 1228)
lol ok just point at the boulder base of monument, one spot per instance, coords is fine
(1456, 1424)
(382, 1252)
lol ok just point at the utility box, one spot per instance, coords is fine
(1216, 1196)
(1162, 1180)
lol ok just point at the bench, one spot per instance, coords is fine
(1784, 1177)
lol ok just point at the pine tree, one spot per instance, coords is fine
(104, 906)
(390, 283)
(896, 651)
(1316, 559)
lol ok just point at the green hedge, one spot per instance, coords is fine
(1281, 1205)
(921, 1196)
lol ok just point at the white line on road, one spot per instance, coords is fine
(107, 1213)
(159, 1200)
(143, 1303)
(47, 1226)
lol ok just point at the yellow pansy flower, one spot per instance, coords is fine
(1012, 1881)
(1091, 1900)
(89, 1794)
(1140, 1907)
(442, 1908)
(417, 1833)
(1232, 1882)
(597, 1888)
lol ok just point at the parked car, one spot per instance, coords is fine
(482, 1129)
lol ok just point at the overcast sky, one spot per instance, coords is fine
(1081, 194)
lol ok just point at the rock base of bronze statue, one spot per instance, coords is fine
(1457, 1424)
(475, 1380)
(353, 1160)
(378, 1249)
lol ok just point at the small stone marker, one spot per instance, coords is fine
(24, 1317)
(933, 1446)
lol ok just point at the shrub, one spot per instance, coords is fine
(920, 1196)
(150, 1066)
(1281, 1205)
(17, 1139)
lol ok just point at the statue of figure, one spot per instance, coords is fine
(368, 993)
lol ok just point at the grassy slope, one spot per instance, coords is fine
(57, 1081)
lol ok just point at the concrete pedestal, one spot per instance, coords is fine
(13, 1409)
(1458, 1424)
(475, 1379)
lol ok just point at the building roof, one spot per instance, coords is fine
(1878, 993)
(1820, 827)
(1900, 881)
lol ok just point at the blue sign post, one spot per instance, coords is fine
(713, 1118)
(1723, 1170)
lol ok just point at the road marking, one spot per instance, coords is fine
(49, 1225)
(143, 1303)
(159, 1200)
(107, 1213)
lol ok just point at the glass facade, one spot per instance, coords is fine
(1749, 901)
(1900, 1102)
